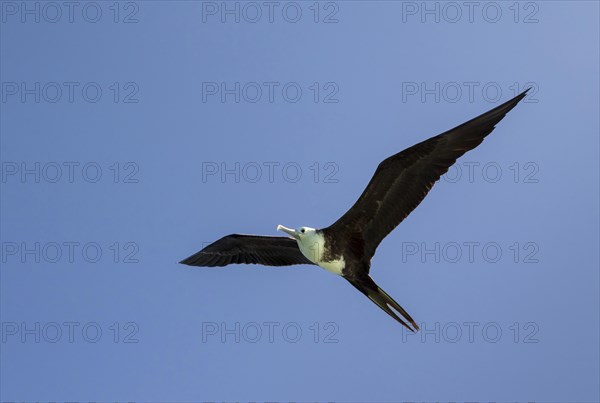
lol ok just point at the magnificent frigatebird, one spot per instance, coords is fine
(346, 247)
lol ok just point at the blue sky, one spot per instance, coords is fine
(135, 133)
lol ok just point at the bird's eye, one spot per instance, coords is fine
(303, 230)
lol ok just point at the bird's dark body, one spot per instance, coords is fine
(398, 186)
(350, 247)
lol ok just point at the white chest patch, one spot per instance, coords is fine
(313, 246)
(335, 266)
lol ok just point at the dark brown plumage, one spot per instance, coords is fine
(398, 186)
(236, 248)
(403, 180)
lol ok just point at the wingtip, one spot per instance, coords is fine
(524, 93)
(190, 260)
(519, 97)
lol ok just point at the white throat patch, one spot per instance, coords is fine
(313, 246)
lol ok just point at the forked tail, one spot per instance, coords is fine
(367, 286)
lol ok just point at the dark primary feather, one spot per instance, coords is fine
(403, 180)
(254, 249)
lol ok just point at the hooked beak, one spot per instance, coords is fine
(289, 231)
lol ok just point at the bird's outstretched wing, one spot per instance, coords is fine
(253, 249)
(403, 180)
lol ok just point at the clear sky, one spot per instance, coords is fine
(135, 133)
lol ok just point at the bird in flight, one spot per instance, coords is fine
(346, 247)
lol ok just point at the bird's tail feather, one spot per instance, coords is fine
(385, 302)
(368, 287)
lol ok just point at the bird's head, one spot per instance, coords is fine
(301, 234)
